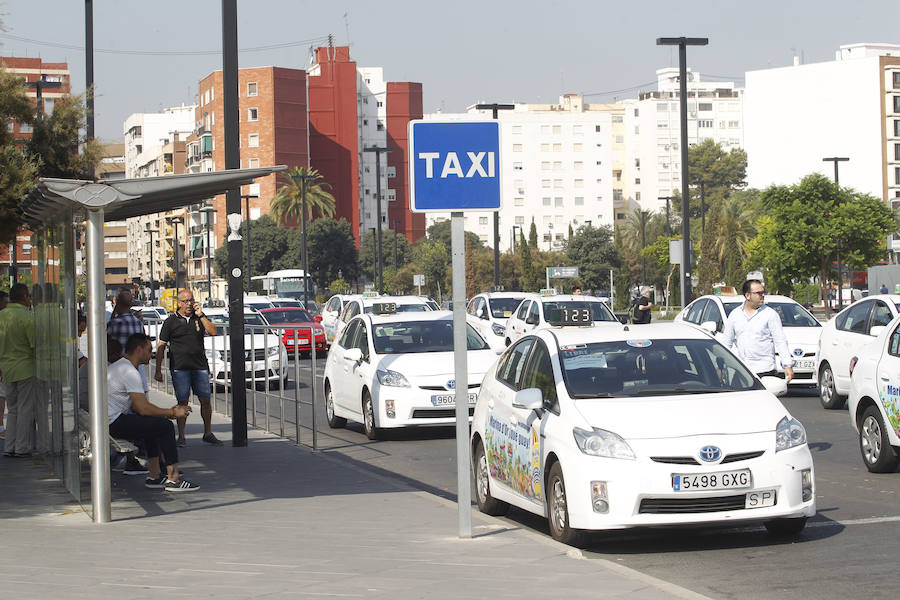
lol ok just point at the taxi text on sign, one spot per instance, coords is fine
(454, 166)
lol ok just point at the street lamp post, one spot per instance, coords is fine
(495, 108)
(208, 211)
(151, 232)
(378, 260)
(836, 160)
(175, 221)
(668, 199)
(550, 235)
(515, 238)
(683, 43)
(41, 84)
(246, 198)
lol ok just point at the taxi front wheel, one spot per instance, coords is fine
(368, 410)
(558, 510)
(486, 503)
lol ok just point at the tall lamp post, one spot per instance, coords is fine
(683, 43)
(495, 108)
(175, 221)
(208, 212)
(836, 160)
(378, 261)
(151, 232)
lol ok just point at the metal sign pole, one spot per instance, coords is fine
(464, 493)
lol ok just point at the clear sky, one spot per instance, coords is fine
(150, 55)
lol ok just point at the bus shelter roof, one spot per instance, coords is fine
(124, 198)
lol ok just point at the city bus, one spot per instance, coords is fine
(286, 283)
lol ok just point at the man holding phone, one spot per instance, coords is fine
(183, 332)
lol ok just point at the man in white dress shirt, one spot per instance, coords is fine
(756, 331)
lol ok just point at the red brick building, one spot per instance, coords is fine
(404, 103)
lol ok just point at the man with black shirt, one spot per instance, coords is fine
(183, 332)
(642, 307)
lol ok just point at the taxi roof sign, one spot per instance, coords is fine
(370, 294)
(548, 292)
(579, 315)
(384, 308)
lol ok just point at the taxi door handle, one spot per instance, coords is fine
(490, 403)
(885, 378)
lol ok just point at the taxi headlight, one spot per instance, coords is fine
(391, 378)
(498, 329)
(789, 433)
(215, 354)
(273, 350)
(600, 442)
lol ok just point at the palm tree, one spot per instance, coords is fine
(287, 204)
(734, 232)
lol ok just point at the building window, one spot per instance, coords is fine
(577, 130)
(558, 184)
(392, 195)
(577, 147)
(520, 220)
(705, 106)
(379, 104)
(519, 201)
(579, 200)
(391, 172)
(545, 129)
(597, 128)
(558, 147)
(253, 140)
(896, 151)
(517, 129)
(545, 147)
(253, 189)
(26, 128)
(517, 147)
(558, 201)
(252, 89)
(617, 196)
(637, 196)
(897, 104)
(557, 130)
(482, 220)
(662, 107)
(253, 163)
(380, 126)
(517, 166)
(637, 112)
(545, 183)
(615, 119)
(897, 127)
(545, 201)
(578, 165)
(896, 175)
(637, 163)
(733, 124)
(253, 114)
(704, 123)
(545, 165)
(620, 139)
(579, 183)
(557, 165)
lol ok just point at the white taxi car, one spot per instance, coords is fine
(266, 359)
(397, 370)
(535, 309)
(801, 328)
(842, 337)
(874, 401)
(614, 427)
(331, 312)
(364, 303)
(489, 312)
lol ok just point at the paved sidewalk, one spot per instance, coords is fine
(273, 520)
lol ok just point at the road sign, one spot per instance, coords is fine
(418, 280)
(454, 166)
(562, 271)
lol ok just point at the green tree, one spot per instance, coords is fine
(593, 251)
(17, 168)
(708, 162)
(657, 254)
(807, 224)
(734, 229)
(532, 236)
(288, 201)
(433, 259)
(268, 242)
(440, 232)
(56, 142)
(332, 251)
(366, 250)
(530, 281)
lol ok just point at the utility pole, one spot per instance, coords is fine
(836, 160)
(378, 259)
(495, 108)
(683, 43)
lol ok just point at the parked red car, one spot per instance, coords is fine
(287, 317)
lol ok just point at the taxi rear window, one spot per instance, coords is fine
(652, 367)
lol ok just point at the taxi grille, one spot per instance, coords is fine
(742, 456)
(690, 460)
(438, 413)
(441, 388)
(663, 506)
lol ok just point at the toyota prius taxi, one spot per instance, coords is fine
(613, 427)
(391, 370)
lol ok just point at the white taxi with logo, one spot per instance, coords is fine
(533, 313)
(614, 427)
(331, 312)
(390, 369)
(488, 314)
(874, 401)
(363, 305)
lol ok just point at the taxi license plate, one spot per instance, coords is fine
(805, 364)
(760, 499)
(725, 480)
(450, 399)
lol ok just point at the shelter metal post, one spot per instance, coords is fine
(97, 388)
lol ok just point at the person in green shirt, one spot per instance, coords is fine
(17, 370)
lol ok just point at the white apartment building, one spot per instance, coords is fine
(557, 164)
(371, 96)
(154, 147)
(849, 107)
(653, 133)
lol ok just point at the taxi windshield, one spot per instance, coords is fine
(653, 367)
(599, 311)
(793, 315)
(502, 308)
(410, 337)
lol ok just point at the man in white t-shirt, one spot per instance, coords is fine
(132, 416)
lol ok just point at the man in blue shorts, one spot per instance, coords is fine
(183, 333)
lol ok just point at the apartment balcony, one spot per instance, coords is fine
(198, 253)
(198, 229)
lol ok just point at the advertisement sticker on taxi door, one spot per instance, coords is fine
(514, 457)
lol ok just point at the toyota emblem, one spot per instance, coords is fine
(710, 453)
(451, 384)
(798, 351)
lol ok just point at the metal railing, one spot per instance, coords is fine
(270, 367)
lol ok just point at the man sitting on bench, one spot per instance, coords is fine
(132, 416)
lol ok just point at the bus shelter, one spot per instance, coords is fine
(53, 210)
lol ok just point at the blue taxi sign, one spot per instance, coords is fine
(454, 166)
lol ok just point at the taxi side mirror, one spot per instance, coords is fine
(776, 385)
(353, 354)
(877, 330)
(709, 326)
(528, 399)
(531, 320)
(480, 313)
(317, 318)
